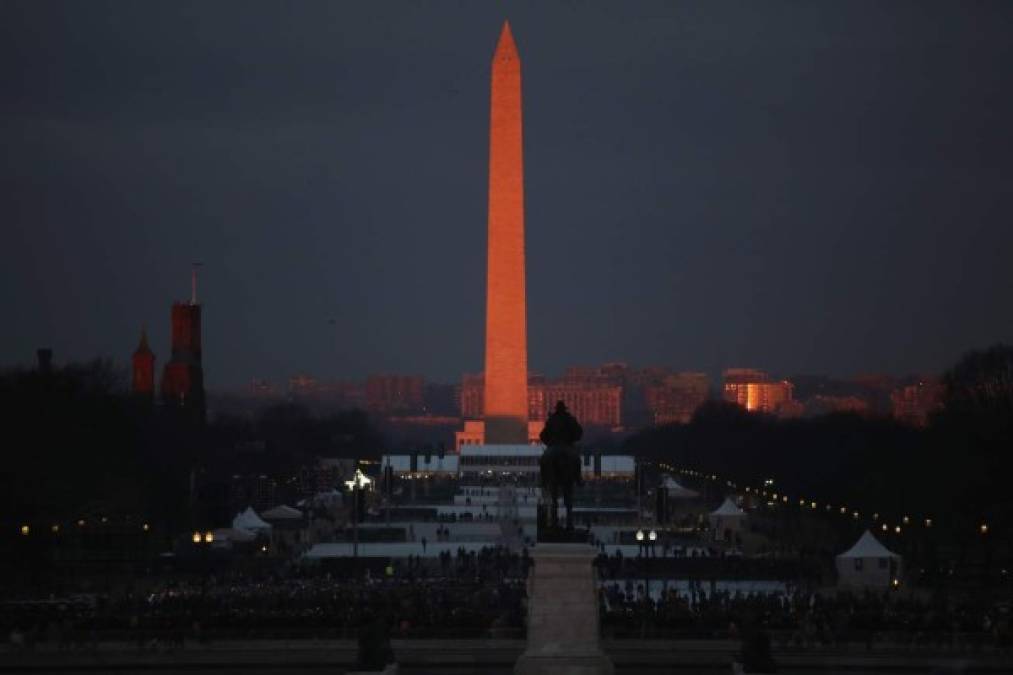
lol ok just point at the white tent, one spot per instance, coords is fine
(676, 491)
(282, 512)
(249, 520)
(868, 564)
(728, 508)
(727, 520)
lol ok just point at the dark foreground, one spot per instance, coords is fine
(268, 657)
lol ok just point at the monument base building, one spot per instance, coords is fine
(474, 433)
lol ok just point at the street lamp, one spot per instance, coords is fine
(196, 537)
(25, 530)
(358, 481)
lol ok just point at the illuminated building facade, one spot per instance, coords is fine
(756, 392)
(592, 404)
(593, 401)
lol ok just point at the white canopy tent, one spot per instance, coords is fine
(867, 564)
(727, 520)
(676, 491)
(249, 520)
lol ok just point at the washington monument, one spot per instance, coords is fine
(506, 343)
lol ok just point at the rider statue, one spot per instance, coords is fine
(560, 464)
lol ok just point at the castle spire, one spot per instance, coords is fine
(143, 362)
(142, 346)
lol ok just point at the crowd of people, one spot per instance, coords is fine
(291, 606)
(483, 595)
(802, 619)
(699, 563)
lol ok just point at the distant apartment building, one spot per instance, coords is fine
(592, 404)
(593, 399)
(337, 394)
(914, 403)
(755, 391)
(389, 394)
(676, 397)
(472, 397)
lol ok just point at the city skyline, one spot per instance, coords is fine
(841, 214)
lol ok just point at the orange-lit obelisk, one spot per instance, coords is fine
(506, 344)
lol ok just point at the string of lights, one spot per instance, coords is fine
(28, 527)
(878, 520)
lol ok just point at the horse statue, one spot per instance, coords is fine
(559, 465)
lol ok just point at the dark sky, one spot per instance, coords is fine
(797, 186)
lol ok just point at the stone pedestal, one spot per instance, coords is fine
(563, 614)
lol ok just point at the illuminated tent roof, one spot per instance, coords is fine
(728, 508)
(868, 546)
(282, 512)
(249, 520)
(677, 491)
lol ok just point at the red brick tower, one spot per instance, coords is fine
(143, 369)
(506, 347)
(183, 377)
